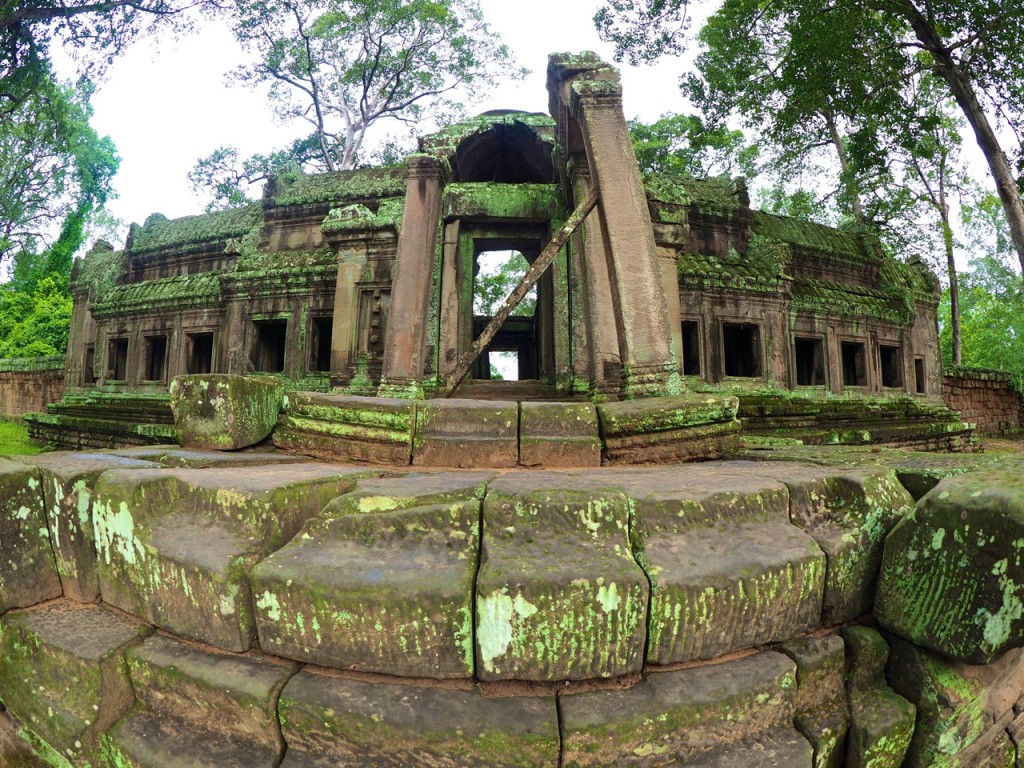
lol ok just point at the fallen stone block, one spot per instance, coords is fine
(671, 718)
(388, 592)
(62, 673)
(559, 435)
(176, 546)
(198, 708)
(881, 721)
(328, 721)
(466, 433)
(558, 596)
(952, 575)
(821, 707)
(28, 573)
(224, 411)
(67, 482)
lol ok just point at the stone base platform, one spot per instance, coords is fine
(709, 614)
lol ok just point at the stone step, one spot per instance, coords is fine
(821, 707)
(174, 456)
(176, 545)
(28, 572)
(559, 435)
(198, 708)
(62, 672)
(466, 433)
(331, 721)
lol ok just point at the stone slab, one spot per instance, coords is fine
(62, 672)
(559, 596)
(176, 545)
(68, 478)
(28, 572)
(385, 591)
(15, 749)
(780, 748)
(670, 718)
(952, 575)
(466, 433)
(821, 707)
(174, 456)
(223, 411)
(414, 489)
(331, 722)
(559, 435)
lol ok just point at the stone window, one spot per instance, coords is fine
(691, 348)
(855, 364)
(88, 376)
(810, 362)
(741, 349)
(199, 353)
(891, 363)
(920, 381)
(320, 331)
(269, 347)
(156, 358)
(117, 359)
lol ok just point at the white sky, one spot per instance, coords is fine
(166, 103)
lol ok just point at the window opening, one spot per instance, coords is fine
(268, 351)
(691, 348)
(200, 353)
(320, 343)
(117, 359)
(810, 362)
(741, 347)
(892, 366)
(90, 360)
(855, 369)
(919, 376)
(156, 358)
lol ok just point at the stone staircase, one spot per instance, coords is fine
(97, 419)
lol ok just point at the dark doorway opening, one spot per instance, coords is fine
(117, 359)
(269, 347)
(920, 385)
(88, 375)
(320, 343)
(691, 348)
(514, 354)
(810, 362)
(855, 364)
(156, 358)
(199, 353)
(892, 366)
(741, 349)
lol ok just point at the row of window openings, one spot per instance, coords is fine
(741, 357)
(268, 354)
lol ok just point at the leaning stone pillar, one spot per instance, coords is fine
(405, 344)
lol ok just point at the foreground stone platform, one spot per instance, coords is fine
(255, 610)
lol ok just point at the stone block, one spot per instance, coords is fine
(881, 721)
(224, 411)
(28, 573)
(952, 575)
(62, 673)
(780, 748)
(671, 718)
(821, 707)
(559, 435)
(388, 592)
(669, 429)
(328, 721)
(174, 456)
(67, 482)
(466, 433)
(415, 489)
(16, 751)
(176, 546)
(348, 427)
(727, 569)
(559, 596)
(199, 709)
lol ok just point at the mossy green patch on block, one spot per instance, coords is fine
(62, 672)
(504, 201)
(176, 546)
(415, 489)
(559, 596)
(821, 708)
(28, 573)
(402, 604)
(952, 575)
(333, 721)
(881, 721)
(671, 716)
(224, 411)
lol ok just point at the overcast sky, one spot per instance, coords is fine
(166, 103)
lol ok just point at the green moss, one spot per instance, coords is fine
(509, 201)
(809, 235)
(176, 293)
(719, 195)
(98, 272)
(363, 184)
(159, 232)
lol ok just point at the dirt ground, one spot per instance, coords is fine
(1003, 444)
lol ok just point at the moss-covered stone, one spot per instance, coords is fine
(223, 411)
(161, 232)
(821, 708)
(466, 433)
(559, 435)
(952, 575)
(28, 573)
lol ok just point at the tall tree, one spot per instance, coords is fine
(686, 145)
(976, 47)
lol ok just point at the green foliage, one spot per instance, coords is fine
(682, 145)
(495, 280)
(33, 324)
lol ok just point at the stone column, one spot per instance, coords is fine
(405, 346)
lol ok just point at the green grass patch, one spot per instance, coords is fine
(14, 439)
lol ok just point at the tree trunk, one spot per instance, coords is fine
(963, 92)
(846, 173)
(954, 291)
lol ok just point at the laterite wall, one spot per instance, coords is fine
(986, 398)
(28, 384)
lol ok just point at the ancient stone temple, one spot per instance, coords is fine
(287, 547)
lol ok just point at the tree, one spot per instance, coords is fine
(342, 66)
(683, 145)
(975, 47)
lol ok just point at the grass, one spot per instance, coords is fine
(14, 439)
